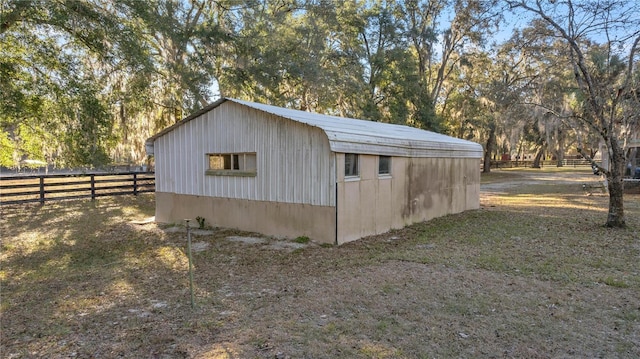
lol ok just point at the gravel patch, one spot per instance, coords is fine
(247, 240)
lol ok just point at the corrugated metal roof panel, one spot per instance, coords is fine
(359, 136)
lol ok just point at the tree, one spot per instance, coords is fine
(499, 82)
(90, 80)
(181, 42)
(55, 66)
(440, 51)
(293, 54)
(346, 58)
(606, 87)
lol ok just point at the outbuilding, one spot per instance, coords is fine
(291, 173)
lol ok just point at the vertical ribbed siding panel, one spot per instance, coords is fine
(232, 132)
(181, 159)
(267, 163)
(255, 189)
(195, 156)
(333, 178)
(279, 183)
(305, 189)
(213, 147)
(272, 164)
(171, 147)
(161, 169)
(206, 138)
(187, 161)
(302, 190)
(199, 156)
(257, 138)
(171, 157)
(241, 138)
(290, 158)
(164, 172)
(168, 175)
(159, 166)
(313, 161)
(177, 159)
(294, 161)
(249, 136)
(171, 180)
(310, 157)
(172, 152)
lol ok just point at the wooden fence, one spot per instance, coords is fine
(546, 163)
(44, 188)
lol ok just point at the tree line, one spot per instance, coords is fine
(85, 82)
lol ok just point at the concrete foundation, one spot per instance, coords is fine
(271, 218)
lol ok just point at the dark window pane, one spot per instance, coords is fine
(350, 164)
(384, 165)
(236, 163)
(227, 162)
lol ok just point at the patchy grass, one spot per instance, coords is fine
(302, 239)
(533, 273)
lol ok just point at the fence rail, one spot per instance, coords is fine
(546, 163)
(44, 188)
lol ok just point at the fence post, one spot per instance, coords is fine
(41, 189)
(135, 184)
(93, 187)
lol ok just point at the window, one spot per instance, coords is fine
(351, 165)
(384, 165)
(232, 164)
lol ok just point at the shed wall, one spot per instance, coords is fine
(299, 187)
(294, 162)
(418, 189)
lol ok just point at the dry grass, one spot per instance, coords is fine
(531, 274)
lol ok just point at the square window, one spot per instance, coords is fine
(232, 164)
(384, 165)
(351, 165)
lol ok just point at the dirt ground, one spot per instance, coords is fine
(532, 274)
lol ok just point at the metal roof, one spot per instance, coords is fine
(349, 135)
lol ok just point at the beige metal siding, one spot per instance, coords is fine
(418, 189)
(294, 161)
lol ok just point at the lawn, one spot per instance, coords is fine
(532, 273)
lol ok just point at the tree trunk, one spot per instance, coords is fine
(491, 141)
(615, 181)
(560, 151)
(560, 158)
(536, 161)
